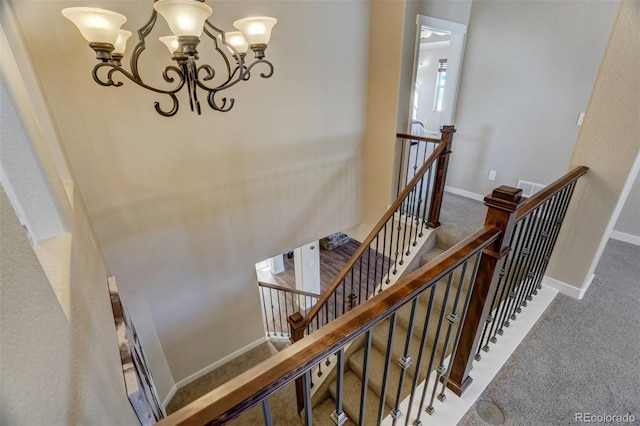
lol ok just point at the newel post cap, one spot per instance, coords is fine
(505, 198)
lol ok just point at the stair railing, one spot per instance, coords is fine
(512, 268)
(391, 239)
(278, 303)
(502, 263)
(451, 272)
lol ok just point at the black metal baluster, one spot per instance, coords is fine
(360, 260)
(306, 389)
(453, 319)
(273, 315)
(423, 341)
(401, 166)
(555, 230)
(365, 377)
(387, 363)
(375, 267)
(434, 351)
(404, 362)
(344, 292)
(266, 412)
(384, 251)
(335, 304)
(399, 227)
(390, 247)
(538, 213)
(352, 294)
(512, 278)
(264, 305)
(404, 233)
(286, 310)
(279, 312)
(368, 268)
(504, 283)
(409, 217)
(338, 415)
(416, 215)
(326, 313)
(539, 249)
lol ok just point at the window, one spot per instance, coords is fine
(440, 79)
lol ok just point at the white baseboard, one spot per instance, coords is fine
(463, 193)
(169, 397)
(568, 289)
(627, 238)
(195, 376)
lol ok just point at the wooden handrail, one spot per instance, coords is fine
(550, 190)
(288, 289)
(249, 388)
(417, 138)
(374, 232)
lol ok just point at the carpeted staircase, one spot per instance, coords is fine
(460, 218)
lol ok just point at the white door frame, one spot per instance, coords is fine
(458, 34)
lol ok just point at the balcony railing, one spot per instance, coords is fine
(435, 316)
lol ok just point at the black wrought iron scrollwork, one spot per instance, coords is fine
(186, 73)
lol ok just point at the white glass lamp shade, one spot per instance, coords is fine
(96, 25)
(237, 40)
(121, 43)
(171, 42)
(256, 30)
(185, 17)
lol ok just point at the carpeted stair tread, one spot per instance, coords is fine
(376, 364)
(351, 401)
(430, 255)
(404, 314)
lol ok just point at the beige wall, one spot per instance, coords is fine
(184, 206)
(55, 370)
(608, 143)
(385, 55)
(528, 71)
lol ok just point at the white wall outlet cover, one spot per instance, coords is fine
(580, 119)
(492, 175)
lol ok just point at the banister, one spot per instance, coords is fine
(417, 138)
(550, 190)
(247, 389)
(521, 276)
(376, 229)
(288, 289)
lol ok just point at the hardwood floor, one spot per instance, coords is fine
(357, 286)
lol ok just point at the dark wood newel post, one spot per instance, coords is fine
(441, 176)
(503, 204)
(296, 327)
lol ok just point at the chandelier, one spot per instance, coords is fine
(188, 21)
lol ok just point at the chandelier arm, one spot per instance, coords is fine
(171, 112)
(242, 76)
(262, 74)
(215, 44)
(165, 74)
(210, 72)
(213, 104)
(143, 32)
